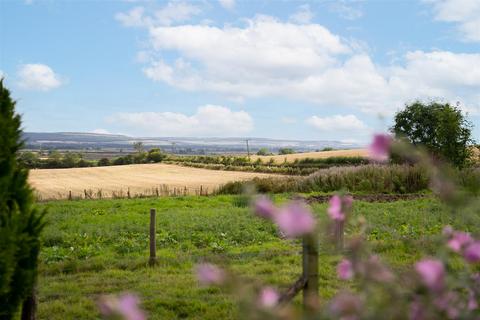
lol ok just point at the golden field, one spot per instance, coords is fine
(314, 155)
(140, 179)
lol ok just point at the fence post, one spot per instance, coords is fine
(153, 244)
(70, 195)
(310, 272)
(338, 234)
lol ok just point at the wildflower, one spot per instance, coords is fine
(268, 297)
(338, 207)
(346, 306)
(459, 240)
(377, 271)
(295, 220)
(431, 272)
(345, 270)
(379, 149)
(209, 274)
(472, 252)
(264, 208)
(125, 306)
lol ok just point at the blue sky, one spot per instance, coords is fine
(329, 70)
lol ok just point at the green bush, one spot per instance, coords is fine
(20, 222)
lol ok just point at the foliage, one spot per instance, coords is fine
(263, 152)
(286, 151)
(20, 222)
(441, 128)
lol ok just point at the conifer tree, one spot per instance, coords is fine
(20, 222)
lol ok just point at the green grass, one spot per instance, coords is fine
(101, 247)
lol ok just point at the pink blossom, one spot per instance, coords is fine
(447, 231)
(378, 271)
(265, 208)
(472, 301)
(379, 149)
(268, 297)
(208, 274)
(431, 272)
(459, 240)
(125, 306)
(345, 270)
(472, 252)
(295, 220)
(335, 208)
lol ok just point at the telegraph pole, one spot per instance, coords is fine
(248, 149)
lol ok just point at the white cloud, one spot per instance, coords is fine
(303, 15)
(38, 77)
(101, 131)
(175, 11)
(466, 13)
(227, 4)
(268, 57)
(343, 123)
(347, 9)
(209, 120)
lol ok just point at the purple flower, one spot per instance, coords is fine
(345, 270)
(379, 149)
(295, 220)
(265, 208)
(459, 240)
(208, 274)
(338, 206)
(268, 297)
(472, 252)
(125, 306)
(431, 272)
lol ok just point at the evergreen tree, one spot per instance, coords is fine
(20, 222)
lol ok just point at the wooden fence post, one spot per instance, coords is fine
(153, 244)
(338, 234)
(310, 272)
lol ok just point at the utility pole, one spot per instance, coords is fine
(248, 149)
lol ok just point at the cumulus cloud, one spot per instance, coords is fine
(349, 123)
(303, 15)
(269, 57)
(227, 4)
(209, 120)
(38, 77)
(172, 12)
(465, 13)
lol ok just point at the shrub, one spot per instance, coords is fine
(263, 152)
(20, 222)
(286, 151)
(104, 162)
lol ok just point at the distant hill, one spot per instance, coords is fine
(96, 141)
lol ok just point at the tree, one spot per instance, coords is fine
(20, 222)
(440, 127)
(139, 147)
(155, 155)
(263, 152)
(103, 162)
(286, 151)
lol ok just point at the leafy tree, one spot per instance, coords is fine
(29, 160)
(440, 127)
(20, 222)
(139, 147)
(263, 152)
(155, 155)
(286, 151)
(103, 162)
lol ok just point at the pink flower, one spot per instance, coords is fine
(459, 241)
(268, 297)
(379, 149)
(208, 274)
(447, 231)
(346, 306)
(265, 208)
(378, 271)
(338, 207)
(345, 270)
(472, 301)
(295, 220)
(431, 272)
(472, 252)
(125, 306)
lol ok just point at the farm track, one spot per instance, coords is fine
(371, 197)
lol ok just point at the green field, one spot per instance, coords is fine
(101, 247)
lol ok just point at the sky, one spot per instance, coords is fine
(307, 70)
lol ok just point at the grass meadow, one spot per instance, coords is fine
(95, 247)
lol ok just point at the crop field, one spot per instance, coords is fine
(101, 247)
(139, 179)
(313, 155)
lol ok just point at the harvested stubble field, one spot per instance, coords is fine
(313, 155)
(139, 179)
